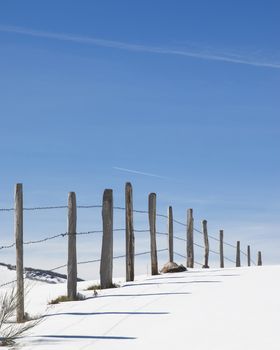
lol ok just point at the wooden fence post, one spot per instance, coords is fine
(129, 232)
(249, 255)
(206, 244)
(170, 234)
(106, 264)
(152, 223)
(72, 250)
(222, 263)
(190, 250)
(259, 258)
(18, 221)
(238, 262)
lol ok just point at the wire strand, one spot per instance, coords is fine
(115, 257)
(117, 208)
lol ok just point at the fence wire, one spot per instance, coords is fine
(87, 262)
(54, 237)
(117, 208)
(115, 257)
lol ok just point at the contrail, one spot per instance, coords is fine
(140, 172)
(139, 48)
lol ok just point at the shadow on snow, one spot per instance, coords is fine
(107, 313)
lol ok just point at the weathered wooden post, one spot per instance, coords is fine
(170, 234)
(206, 244)
(72, 250)
(152, 223)
(249, 255)
(222, 263)
(18, 221)
(259, 258)
(190, 250)
(129, 232)
(238, 262)
(106, 264)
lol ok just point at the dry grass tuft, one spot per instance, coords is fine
(65, 298)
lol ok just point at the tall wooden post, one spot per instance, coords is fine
(106, 264)
(152, 223)
(170, 234)
(18, 221)
(129, 232)
(222, 263)
(259, 258)
(206, 244)
(72, 250)
(190, 250)
(238, 261)
(249, 255)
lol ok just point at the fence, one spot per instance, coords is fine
(107, 231)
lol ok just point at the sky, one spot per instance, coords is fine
(180, 98)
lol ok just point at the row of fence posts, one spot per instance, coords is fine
(106, 263)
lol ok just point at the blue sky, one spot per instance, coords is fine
(187, 91)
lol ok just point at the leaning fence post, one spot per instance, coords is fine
(222, 263)
(106, 264)
(249, 255)
(129, 232)
(19, 252)
(170, 234)
(152, 223)
(72, 250)
(206, 244)
(238, 262)
(190, 251)
(259, 258)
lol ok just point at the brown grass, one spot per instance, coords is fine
(65, 298)
(98, 287)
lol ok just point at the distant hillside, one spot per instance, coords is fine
(38, 275)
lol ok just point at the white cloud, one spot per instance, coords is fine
(139, 172)
(199, 54)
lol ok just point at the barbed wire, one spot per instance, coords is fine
(115, 207)
(14, 281)
(119, 208)
(53, 207)
(89, 206)
(77, 234)
(118, 256)
(210, 250)
(184, 256)
(196, 244)
(7, 283)
(115, 230)
(196, 262)
(63, 235)
(198, 231)
(115, 257)
(215, 238)
(7, 246)
(88, 262)
(36, 208)
(181, 255)
(54, 237)
(67, 234)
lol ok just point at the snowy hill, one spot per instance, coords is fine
(31, 274)
(215, 309)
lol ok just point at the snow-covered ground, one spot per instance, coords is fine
(215, 309)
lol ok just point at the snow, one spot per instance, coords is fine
(6, 275)
(215, 309)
